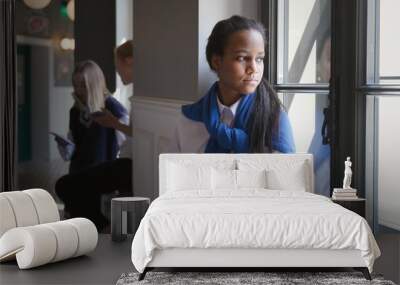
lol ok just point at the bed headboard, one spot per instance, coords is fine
(233, 159)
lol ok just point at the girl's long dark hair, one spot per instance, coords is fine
(264, 119)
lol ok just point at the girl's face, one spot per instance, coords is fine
(241, 68)
(80, 91)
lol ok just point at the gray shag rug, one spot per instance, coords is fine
(229, 278)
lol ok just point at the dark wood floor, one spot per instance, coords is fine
(103, 266)
(389, 262)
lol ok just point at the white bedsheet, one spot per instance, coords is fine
(252, 218)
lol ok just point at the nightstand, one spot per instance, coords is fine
(356, 205)
(126, 214)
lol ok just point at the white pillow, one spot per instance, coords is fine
(251, 178)
(293, 178)
(223, 179)
(284, 172)
(188, 177)
(226, 179)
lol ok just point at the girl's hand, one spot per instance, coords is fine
(105, 119)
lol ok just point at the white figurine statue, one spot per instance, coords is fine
(347, 174)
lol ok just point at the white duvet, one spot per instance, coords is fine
(252, 218)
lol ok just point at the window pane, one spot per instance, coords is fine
(304, 42)
(387, 157)
(306, 117)
(384, 44)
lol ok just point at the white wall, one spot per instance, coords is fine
(389, 39)
(124, 32)
(153, 125)
(124, 20)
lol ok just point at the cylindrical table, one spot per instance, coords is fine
(126, 214)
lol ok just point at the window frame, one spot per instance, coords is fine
(269, 18)
(350, 34)
(368, 66)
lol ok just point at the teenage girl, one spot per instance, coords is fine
(240, 113)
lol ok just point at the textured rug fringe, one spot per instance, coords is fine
(244, 278)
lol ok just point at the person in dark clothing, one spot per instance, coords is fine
(81, 191)
(93, 143)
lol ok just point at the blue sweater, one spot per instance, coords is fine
(225, 139)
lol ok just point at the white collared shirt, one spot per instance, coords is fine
(192, 137)
(227, 114)
(125, 150)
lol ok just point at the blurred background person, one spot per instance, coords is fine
(109, 176)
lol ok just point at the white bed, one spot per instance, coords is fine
(244, 225)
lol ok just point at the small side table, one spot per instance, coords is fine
(357, 205)
(126, 214)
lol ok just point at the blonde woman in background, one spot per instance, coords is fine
(81, 191)
(93, 143)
